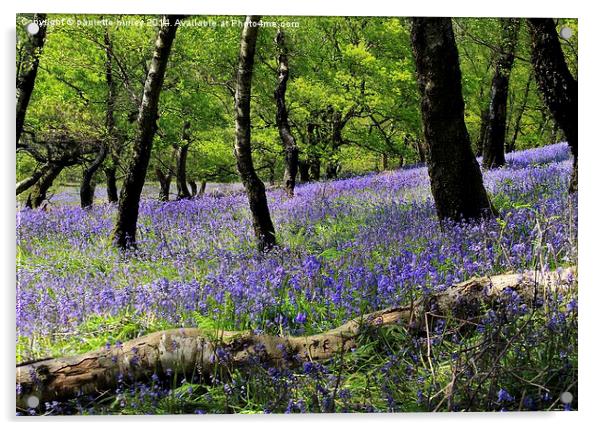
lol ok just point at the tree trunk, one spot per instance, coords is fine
(303, 171)
(291, 151)
(124, 235)
(510, 112)
(111, 176)
(554, 138)
(543, 123)
(190, 350)
(420, 148)
(315, 168)
(255, 189)
(181, 157)
(519, 115)
(38, 193)
(87, 187)
(482, 130)
(27, 183)
(313, 157)
(385, 160)
(114, 140)
(332, 169)
(27, 71)
(272, 175)
(456, 180)
(193, 188)
(164, 184)
(338, 123)
(495, 135)
(555, 82)
(202, 188)
(182, 187)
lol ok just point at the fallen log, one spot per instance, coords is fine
(189, 350)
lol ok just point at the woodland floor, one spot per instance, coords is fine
(347, 247)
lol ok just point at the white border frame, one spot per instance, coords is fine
(590, 295)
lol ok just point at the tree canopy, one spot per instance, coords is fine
(352, 99)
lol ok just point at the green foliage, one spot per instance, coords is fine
(359, 68)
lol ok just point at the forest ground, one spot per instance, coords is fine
(347, 247)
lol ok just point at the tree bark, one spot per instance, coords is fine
(181, 157)
(385, 160)
(509, 113)
(495, 134)
(339, 122)
(29, 182)
(519, 115)
(332, 169)
(313, 157)
(456, 180)
(272, 175)
(202, 188)
(190, 350)
(254, 187)
(543, 123)
(554, 138)
(555, 82)
(28, 70)
(291, 151)
(38, 193)
(421, 150)
(113, 135)
(315, 168)
(111, 177)
(87, 187)
(303, 171)
(164, 184)
(124, 235)
(193, 188)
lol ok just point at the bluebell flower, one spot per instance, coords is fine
(504, 396)
(301, 318)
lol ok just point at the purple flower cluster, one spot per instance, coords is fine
(347, 247)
